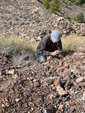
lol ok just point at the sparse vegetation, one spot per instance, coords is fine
(77, 2)
(52, 5)
(79, 18)
(46, 4)
(70, 43)
(37, 20)
(14, 45)
(67, 16)
(83, 5)
(69, 2)
(21, 50)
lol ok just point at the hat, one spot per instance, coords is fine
(55, 36)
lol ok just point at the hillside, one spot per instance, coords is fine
(19, 18)
(28, 86)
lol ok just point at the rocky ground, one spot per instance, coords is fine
(18, 17)
(56, 86)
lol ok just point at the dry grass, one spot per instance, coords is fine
(72, 42)
(22, 50)
(14, 45)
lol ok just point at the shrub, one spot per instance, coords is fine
(66, 5)
(69, 2)
(37, 20)
(67, 17)
(83, 5)
(78, 2)
(54, 6)
(46, 4)
(79, 18)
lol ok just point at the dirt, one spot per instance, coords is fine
(56, 86)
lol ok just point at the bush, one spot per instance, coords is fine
(46, 4)
(78, 2)
(67, 17)
(37, 20)
(79, 18)
(54, 6)
(69, 2)
(83, 5)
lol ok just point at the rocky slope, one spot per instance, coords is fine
(56, 86)
(18, 17)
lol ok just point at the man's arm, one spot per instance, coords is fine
(42, 47)
(58, 49)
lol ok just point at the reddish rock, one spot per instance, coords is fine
(60, 106)
(67, 72)
(56, 82)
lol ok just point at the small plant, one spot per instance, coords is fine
(67, 17)
(79, 18)
(37, 20)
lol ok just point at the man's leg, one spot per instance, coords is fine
(42, 58)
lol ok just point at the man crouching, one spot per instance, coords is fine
(50, 45)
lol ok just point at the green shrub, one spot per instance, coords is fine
(69, 2)
(46, 4)
(83, 5)
(54, 6)
(66, 1)
(37, 20)
(67, 17)
(62, 0)
(79, 18)
(78, 2)
(66, 5)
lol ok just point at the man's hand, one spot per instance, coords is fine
(55, 53)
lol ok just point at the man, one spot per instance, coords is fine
(50, 45)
